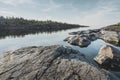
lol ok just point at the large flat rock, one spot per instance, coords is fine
(48, 63)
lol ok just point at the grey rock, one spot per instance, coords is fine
(83, 38)
(85, 32)
(81, 41)
(109, 58)
(48, 63)
(110, 37)
(92, 35)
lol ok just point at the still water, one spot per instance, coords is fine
(45, 39)
(54, 38)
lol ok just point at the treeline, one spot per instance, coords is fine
(21, 26)
(114, 27)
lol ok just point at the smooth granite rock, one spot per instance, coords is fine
(109, 58)
(48, 63)
(81, 41)
(110, 37)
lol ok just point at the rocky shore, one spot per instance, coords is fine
(84, 38)
(49, 63)
(62, 62)
(108, 56)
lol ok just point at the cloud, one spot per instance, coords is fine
(8, 13)
(51, 5)
(104, 14)
(16, 2)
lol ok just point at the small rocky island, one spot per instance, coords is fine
(84, 38)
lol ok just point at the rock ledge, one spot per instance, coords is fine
(48, 63)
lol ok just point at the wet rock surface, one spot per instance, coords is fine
(48, 63)
(109, 58)
(92, 35)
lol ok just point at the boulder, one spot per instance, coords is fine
(109, 58)
(82, 41)
(83, 38)
(48, 63)
(110, 37)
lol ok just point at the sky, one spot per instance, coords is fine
(94, 13)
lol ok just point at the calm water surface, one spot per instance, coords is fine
(45, 39)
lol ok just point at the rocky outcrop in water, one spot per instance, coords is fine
(48, 63)
(110, 37)
(83, 38)
(92, 35)
(78, 40)
(108, 57)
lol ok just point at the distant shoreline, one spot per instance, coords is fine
(11, 26)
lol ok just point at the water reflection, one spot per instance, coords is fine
(22, 33)
(12, 42)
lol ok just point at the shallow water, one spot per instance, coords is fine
(39, 39)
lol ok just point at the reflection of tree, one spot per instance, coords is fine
(11, 26)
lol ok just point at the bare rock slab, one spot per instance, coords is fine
(48, 63)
